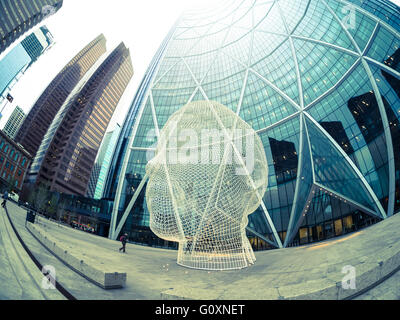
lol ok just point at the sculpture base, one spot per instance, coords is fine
(216, 260)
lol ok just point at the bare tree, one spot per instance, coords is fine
(11, 185)
(62, 205)
(52, 206)
(41, 197)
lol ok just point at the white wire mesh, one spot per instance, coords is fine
(208, 174)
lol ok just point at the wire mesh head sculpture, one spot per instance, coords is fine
(209, 172)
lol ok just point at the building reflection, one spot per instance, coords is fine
(285, 160)
(394, 62)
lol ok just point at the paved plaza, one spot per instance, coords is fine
(307, 272)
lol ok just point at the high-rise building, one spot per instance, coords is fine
(11, 66)
(17, 17)
(93, 179)
(102, 164)
(14, 122)
(308, 76)
(37, 42)
(43, 112)
(22, 56)
(68, 151)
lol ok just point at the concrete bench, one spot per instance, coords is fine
(103, 278)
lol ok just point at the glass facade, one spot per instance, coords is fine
(13, 64)
(319, 80)
(102, 165)
(37, 42)
(21, 57)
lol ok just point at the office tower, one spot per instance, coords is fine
(14, 122)
(290, 69)
(17, 17)
(21, 57)
(11, 66)
(102, 164)
(37, 42)
(43, 112)
(68, 151)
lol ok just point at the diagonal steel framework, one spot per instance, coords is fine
(301, 109)
(388, 135)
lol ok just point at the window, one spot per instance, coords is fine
(303, 235)
(338, 227)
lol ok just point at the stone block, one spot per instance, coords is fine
(104, 279)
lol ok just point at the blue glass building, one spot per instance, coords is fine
(38, 42)
(103, 161)
(22, 56)
(319, 80)
(14, 63)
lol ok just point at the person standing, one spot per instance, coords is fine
(123, 239)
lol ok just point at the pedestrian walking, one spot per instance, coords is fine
(5, 197)
(123, 239)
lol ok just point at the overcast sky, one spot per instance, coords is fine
(140, 24)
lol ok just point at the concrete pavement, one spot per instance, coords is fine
(308, 272)
(20, 278)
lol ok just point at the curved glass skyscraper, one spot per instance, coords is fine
(319, 80)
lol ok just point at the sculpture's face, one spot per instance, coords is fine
(201, 184)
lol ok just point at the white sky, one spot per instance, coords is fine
(141, 24)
